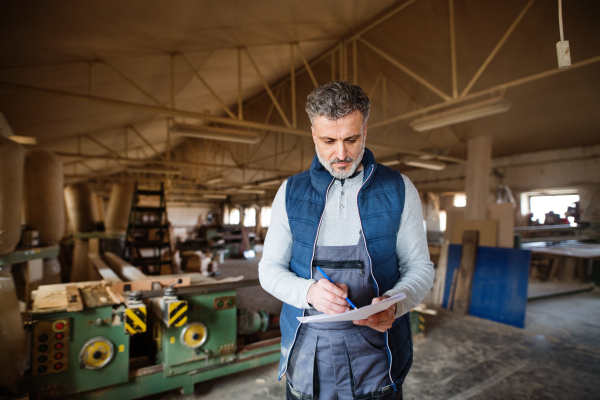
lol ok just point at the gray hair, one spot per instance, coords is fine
(337, 99)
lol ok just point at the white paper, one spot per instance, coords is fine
(353, 315)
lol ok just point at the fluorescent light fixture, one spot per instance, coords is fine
(216, 133)
(391, 160)
(426, 164)
(271, 182)
(216, 179)
(154, 171)
(215, 196)
(484, 108)
(251, 191)
(23, 139)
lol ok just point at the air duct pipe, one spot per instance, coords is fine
(119, 206)
(12, 161)
(43, 203)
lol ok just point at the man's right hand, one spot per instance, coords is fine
(327, 297)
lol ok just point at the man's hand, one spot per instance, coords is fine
(327, 297)
(381, 321)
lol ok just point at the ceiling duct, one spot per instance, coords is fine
(469, 112)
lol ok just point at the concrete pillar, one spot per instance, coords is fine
(479, 164)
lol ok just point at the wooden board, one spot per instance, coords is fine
(453, 215)
(505, 215)
(488, 231)
(152, 284)
(466, 270)
(51, 297)
(101, 268)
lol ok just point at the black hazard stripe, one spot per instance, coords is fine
(175, 319)
(135, 320)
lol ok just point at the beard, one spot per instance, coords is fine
(345, 172)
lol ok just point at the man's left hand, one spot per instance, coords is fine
(381, 321)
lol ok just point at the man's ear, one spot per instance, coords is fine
(314, 135)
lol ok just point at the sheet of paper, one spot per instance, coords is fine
(361, 313)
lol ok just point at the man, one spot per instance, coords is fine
(362, 224)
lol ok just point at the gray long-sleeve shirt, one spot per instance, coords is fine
(341, 227)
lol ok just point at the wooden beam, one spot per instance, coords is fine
(493, 89)
(208, 87)
(268, 89)
(499, 45)
(405, 69)
(133, 84)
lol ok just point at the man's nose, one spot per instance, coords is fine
(340, 151)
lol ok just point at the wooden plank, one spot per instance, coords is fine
(440, 274)
(466, 270)
(74, 302)
(105, 272)
(488, 231)
(452, 290)
(453, 215)
(151, 284)
(126, 271)
(477, 181)
(505, 215)
(51, 297)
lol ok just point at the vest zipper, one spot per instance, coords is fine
(311, 276)
(373, 276)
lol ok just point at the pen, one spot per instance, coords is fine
(329, 279)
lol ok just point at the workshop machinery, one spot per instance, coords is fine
(125, 340)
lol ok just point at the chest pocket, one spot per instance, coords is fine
(351, 273)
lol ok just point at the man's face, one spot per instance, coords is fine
(340, 144)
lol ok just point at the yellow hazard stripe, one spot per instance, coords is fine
(174, 318)
(136, 319)
(421, 318)
(130, 329)
(182, 322)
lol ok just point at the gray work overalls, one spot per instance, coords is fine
(340, 360)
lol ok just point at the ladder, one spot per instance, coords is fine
(148, 234)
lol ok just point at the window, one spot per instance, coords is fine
(443, 221)
(460, 200)
(265, 217)
(250, 216)
(234, 217)
(540, 205)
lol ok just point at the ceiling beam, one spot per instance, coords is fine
(169, 163)
(405, 69)
(155, 109)
(484, 92)
(499, 45)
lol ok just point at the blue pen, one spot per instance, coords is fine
(329, 279)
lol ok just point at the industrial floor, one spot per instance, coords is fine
(557, 355)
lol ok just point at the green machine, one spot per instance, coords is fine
(90, 343)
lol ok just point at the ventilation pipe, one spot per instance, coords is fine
(43, 203)
(12, 161)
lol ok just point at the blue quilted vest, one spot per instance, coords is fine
(380, 206)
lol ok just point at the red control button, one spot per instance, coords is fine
(59, 346)
(59, 326)
(59, 336)
(58, 366)
(58, 356)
